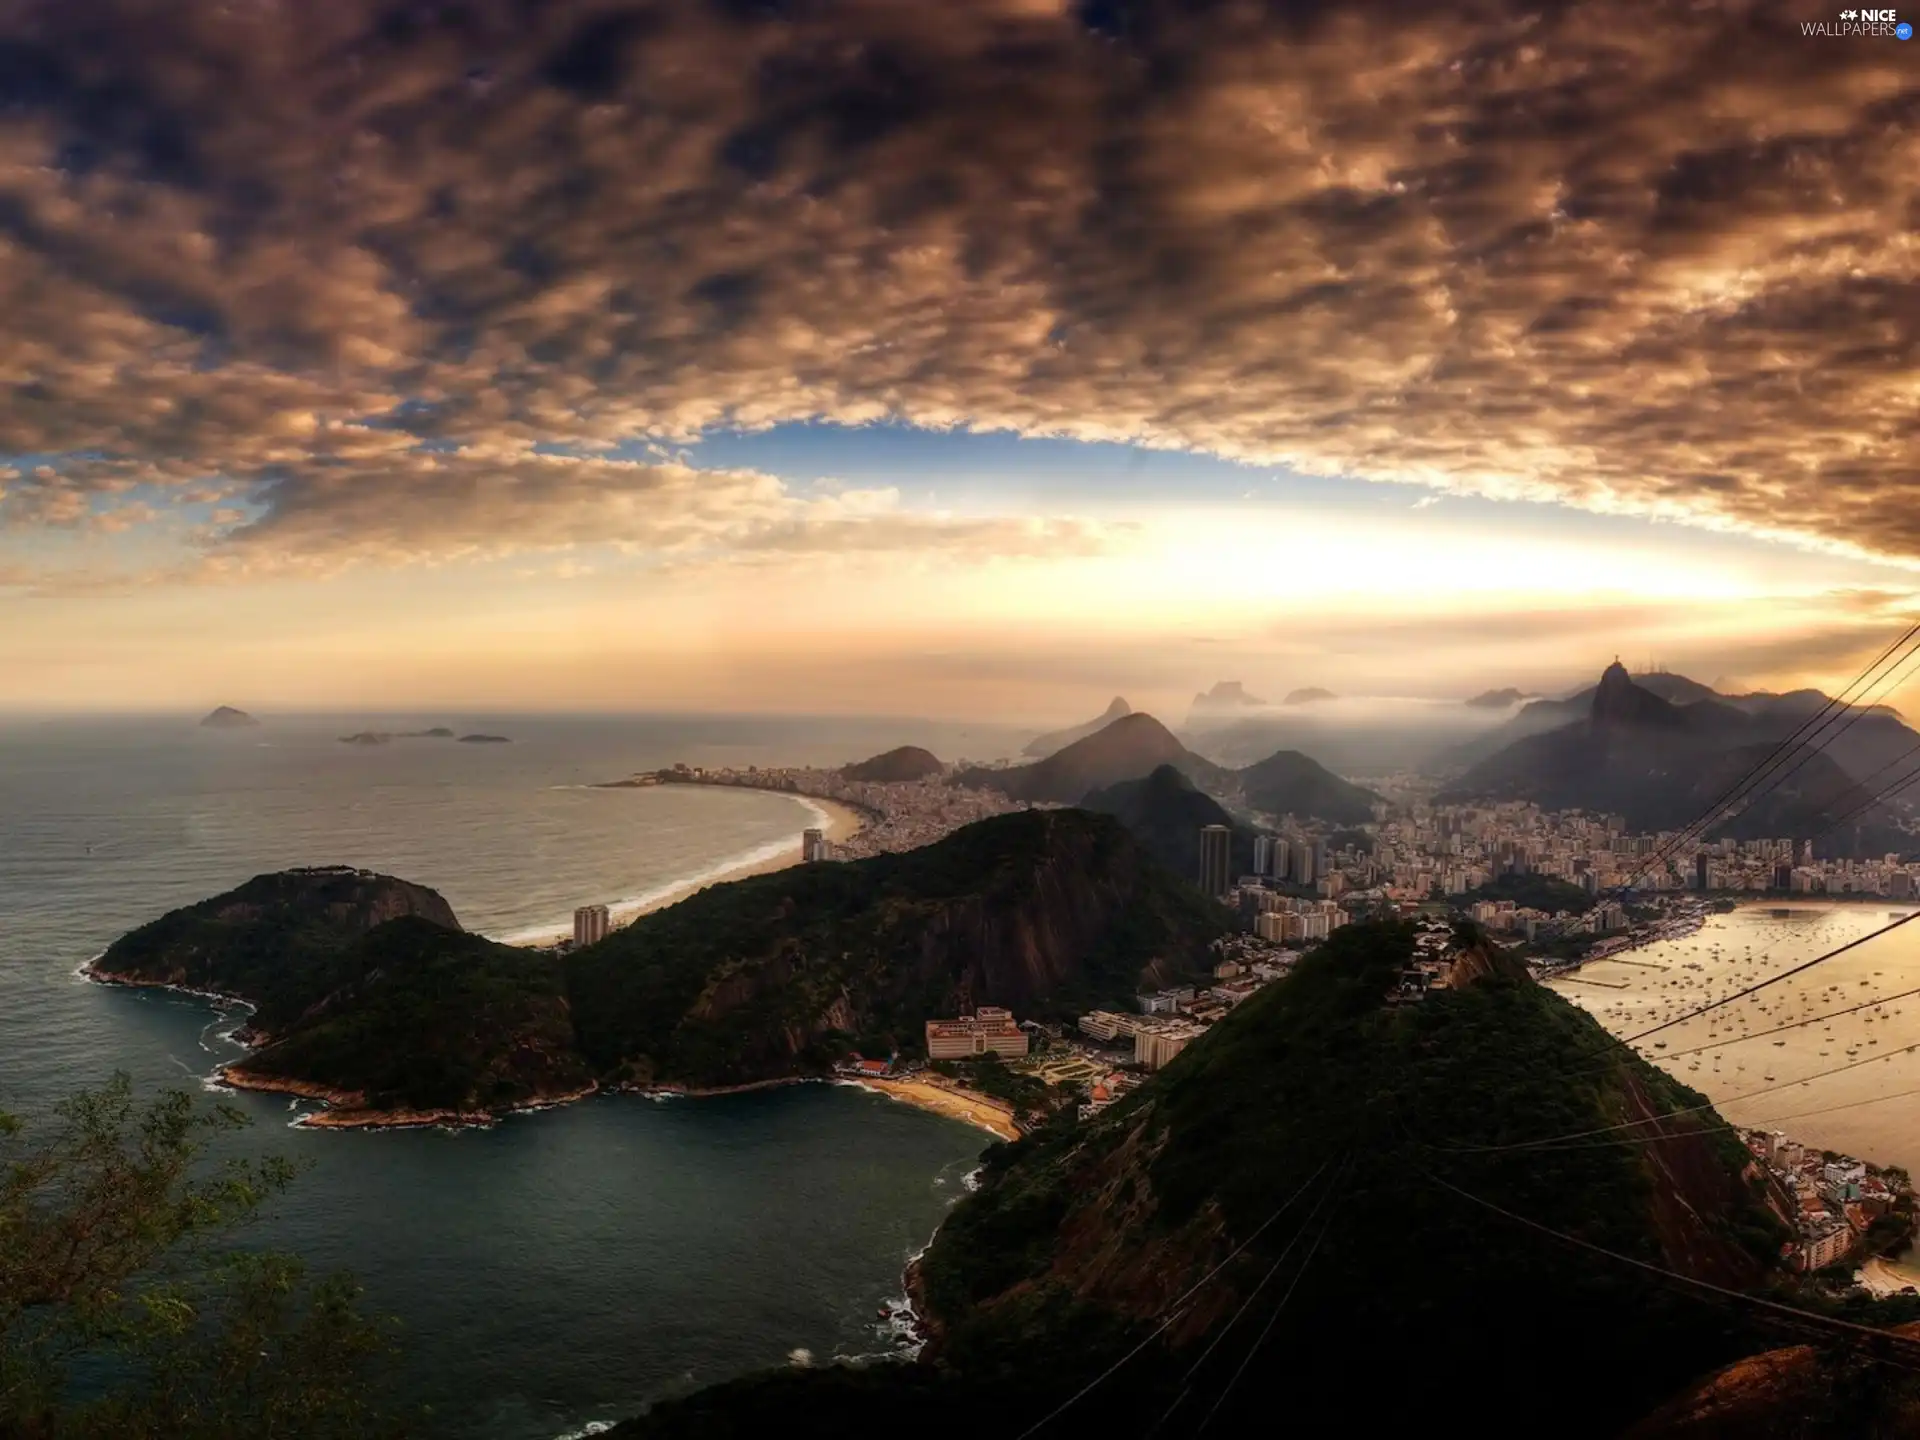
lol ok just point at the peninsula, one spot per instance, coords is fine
(367, 995)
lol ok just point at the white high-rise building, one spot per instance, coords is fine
(1263, 855)
(591, 923)
(813, 845)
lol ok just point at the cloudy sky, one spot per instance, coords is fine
(978, 358)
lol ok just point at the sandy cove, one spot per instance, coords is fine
(953, 1102)
(967, 1106)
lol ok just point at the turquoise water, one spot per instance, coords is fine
(563, 1267)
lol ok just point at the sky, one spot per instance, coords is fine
(980, 360)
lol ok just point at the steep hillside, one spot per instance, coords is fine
(1661, 764)
(1131, 747)
(432, 1020)
(1797, 1393)
(279, 942)
(1042, 746)
(1152, 1249)
(1289, 783)
(905, 763)
(1046, 911)
(1166, 814)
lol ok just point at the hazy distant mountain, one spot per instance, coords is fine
(1308, 696)
(1166, 814)
(1497, 699)
(1862, 743)
(1661, 765)
(906, 763)
(228, 718)
(1043, 745)
(1131, 747)
(1226, 695)
(1346, 735)
(1289, 783)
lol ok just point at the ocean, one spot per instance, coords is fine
(563, 1268)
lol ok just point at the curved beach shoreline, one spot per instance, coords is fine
(839, 822)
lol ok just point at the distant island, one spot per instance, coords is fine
(1311, 695)
(228, 718)
(484, 740)
(382, 737)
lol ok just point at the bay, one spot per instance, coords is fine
(564, 1267)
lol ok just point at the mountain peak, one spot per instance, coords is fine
(1618, 701)
(1042, 746)
(1225, 694)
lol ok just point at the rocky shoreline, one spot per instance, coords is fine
(348, 1109)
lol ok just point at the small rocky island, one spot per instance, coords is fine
(484, 740)
(382, 737)
(225, 717)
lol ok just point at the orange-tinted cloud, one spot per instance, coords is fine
(1644, 259)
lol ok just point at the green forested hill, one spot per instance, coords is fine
(1046, 911)
(1419, 1310)
(436, 1020)
(279, 942)
(1049, 912)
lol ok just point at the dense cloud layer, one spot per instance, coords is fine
(348, 263)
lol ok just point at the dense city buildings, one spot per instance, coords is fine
(895, 815)
(1833, 1203)
(591, 923)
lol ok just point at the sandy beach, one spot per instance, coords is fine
(954, 1103)
(842, 822)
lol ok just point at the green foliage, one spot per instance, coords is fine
(282, 942)
(438, 1019)
(122, 1311)
(1534, 892)
(1053, 912)
(991, 1076)
(1079, 1237)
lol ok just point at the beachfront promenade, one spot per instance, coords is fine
(895, 815)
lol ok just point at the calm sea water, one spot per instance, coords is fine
(564, 1267)
(1849, 1083)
